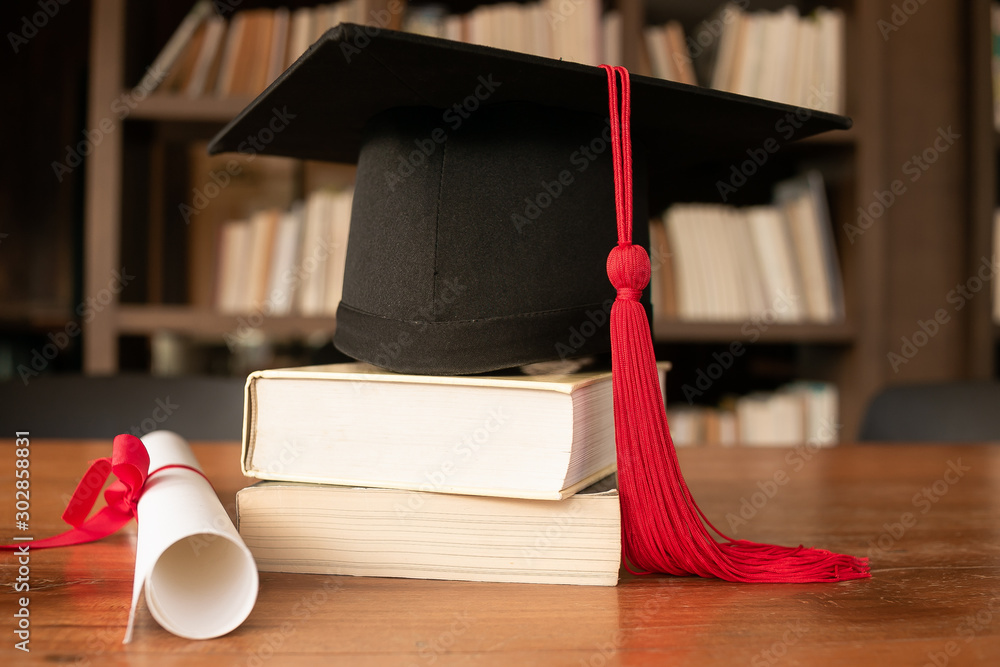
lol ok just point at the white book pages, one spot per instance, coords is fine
(751, 278)
(284, 262)
(725, 58)
(829, 82)
(611, 52)
(783, 294)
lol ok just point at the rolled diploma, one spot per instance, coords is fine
(200, 578)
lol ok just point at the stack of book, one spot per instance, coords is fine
(781, 56)
(286, 262)
(713, 262)
(795, 414)
(479, 478)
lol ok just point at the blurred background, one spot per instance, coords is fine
(791, 288)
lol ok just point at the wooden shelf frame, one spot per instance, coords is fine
(146, 320)
(138, 319)
(178, 108)
(860, 341)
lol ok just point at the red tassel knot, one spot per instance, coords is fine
(628, 270)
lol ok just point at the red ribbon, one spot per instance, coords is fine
(129, 462)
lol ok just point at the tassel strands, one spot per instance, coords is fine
(663, 529)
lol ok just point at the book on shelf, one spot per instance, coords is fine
(781, 56)
(667, 52)
(727, 264)
(776, 259)
(995, 61)
(698, 425)
(182, 69)
(377, 532)
(208, 55)
(173, 50)
(223, 190)
(576, 32)
(773, 55)
(285, 262)
(797, 413)
(211, 56)
(206, 64)
(663, 292)
(803, 200)
(540, 436)
(996, 275)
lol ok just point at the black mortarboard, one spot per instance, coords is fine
(484, 203)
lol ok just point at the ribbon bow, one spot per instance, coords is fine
(129, 462)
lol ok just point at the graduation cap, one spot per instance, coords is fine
(488, 186)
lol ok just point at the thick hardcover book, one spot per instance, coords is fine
(517, 436)
(322, 529)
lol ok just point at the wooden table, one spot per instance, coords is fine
(928, 516)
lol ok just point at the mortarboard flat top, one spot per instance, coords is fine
(349, 76)
(484, 206)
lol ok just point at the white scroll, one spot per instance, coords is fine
(200, 578)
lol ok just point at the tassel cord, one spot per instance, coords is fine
(663, 529)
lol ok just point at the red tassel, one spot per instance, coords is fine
(663, 529)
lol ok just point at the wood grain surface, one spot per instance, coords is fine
(928, 516)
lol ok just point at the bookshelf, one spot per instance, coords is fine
(881, 90)
(984, 188)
